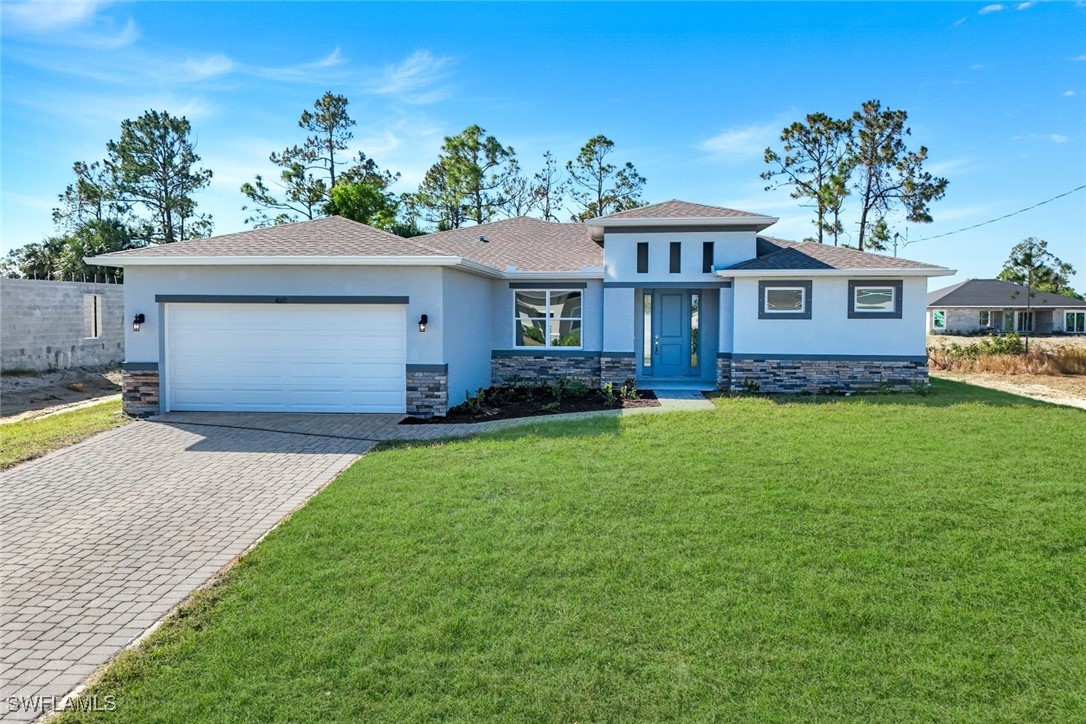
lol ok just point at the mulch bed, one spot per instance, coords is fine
(590, 402)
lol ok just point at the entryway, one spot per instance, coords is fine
(671, 344)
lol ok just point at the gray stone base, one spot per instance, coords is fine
(428, 390)
(617, 370)
(723, 373)
(139, 392)
(534, 369)
(821, 376)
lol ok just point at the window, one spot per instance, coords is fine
(676, 257)
(985, 318)
(646, 352)
(707, 257)
(874, 299)
(1024, 322)
(695, 303)
(784, 300)
(938, 320)
(642, 257)
(1074, 322)
(92, 316)
(547, 318)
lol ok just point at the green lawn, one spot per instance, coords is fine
(20, 441)
(867, 559)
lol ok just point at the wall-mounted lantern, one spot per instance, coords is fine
(138, 320)
(423, 321)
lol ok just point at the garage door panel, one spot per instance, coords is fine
(304, 358)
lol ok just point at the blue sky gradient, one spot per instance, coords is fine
(690, 93)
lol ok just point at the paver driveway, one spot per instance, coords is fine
(100, 540)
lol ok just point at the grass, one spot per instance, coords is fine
(881, 558)
(28, 439)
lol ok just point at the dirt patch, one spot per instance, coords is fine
(591, 402)
(37, 394)
(1060, 390)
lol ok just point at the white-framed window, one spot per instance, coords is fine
(873, 299)
(784, 299)
(92, 316)
(938, 320)
(1074, 322)
(1023, 321)
(985, 318)
(547, 318)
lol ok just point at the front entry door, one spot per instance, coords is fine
(671, 350)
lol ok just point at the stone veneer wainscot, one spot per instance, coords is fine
(520, 368)
(427, 390)
(820, 375)
(140, 390)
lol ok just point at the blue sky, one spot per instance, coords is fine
(690, 93)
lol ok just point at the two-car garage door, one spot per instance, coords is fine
(286, 357)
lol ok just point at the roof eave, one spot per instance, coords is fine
(444, 261)
(856, 272)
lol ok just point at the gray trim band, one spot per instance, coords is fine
(723, 355)
(694, 284)
(693, 228)
(428, 368)
(268, 299)
(830, 357)
(620, 355)
(548, 285)
(139, 366)
(543, 352)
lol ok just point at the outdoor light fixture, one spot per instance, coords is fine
(137, 321)
(423, 320)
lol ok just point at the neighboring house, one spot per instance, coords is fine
(50, 325)
(993, 305)
(335, 316)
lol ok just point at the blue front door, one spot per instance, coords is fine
(672, 354)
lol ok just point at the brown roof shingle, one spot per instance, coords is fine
(675, 209)
(777, 254)
(524, 242)
(331, 236)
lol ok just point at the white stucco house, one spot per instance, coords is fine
(335, 316)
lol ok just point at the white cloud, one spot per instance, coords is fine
(40, 16)
(977, 66)
(960, 21)
(955, 166)
(416, 79)
(1068, 94)
(210, 67)
(743, 142)
(316, 70)
(1078, 58)
(990, 9)
(1025, 6)
(1057, 138)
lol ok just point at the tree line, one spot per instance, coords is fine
(144, 191)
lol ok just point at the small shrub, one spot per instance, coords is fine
(577, 388)
(551, 406)
(628, 391)
(610, 396)
(1009, 343)
(751, 387)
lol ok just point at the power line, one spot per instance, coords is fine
(1005, 216)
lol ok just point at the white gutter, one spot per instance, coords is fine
(801, 273)
(452, 261)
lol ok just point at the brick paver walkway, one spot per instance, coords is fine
(100, 540)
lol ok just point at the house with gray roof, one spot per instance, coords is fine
(995, 306)
(335, 316)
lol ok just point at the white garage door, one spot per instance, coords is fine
(286, 357)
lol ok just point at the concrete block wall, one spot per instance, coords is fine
(42, 325)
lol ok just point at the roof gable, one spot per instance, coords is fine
(781, 255)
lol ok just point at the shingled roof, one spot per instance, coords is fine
(524, 242)
(675, 209)
(330, 236)
(997, 294)
(778, 254)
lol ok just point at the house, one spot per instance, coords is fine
(993, 305)
(335, 316)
